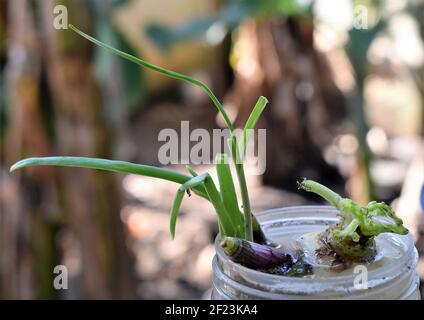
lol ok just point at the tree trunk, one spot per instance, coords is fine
(30, 205)
(55, 108)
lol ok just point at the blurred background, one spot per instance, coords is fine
(345, 84)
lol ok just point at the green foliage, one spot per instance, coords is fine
(225, 202)
(357, 48)
(252, 120)
(358, 223)
(226, 19)
(228, 192)
(352, 238)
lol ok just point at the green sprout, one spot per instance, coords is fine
(352, 238)
(232, 222)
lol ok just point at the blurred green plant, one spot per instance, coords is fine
(133, 80)
(214, 27)
(357, 50)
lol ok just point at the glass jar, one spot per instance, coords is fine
(392, 277)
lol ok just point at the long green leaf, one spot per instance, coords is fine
(228, 225)
(238, 163)
(175, 211)
(227, 190)
(169, 73)
(108, 165)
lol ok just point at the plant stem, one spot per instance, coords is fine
(227, 223)
(321, 190)
(238, 158)
(228, 192)
(248, 230)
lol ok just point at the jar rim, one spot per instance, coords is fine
(387, 272)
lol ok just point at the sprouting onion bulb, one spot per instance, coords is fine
(283, 261)
(254, 255)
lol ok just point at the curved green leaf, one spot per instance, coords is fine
(169, 73)
(251, 122)
(108, 165)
